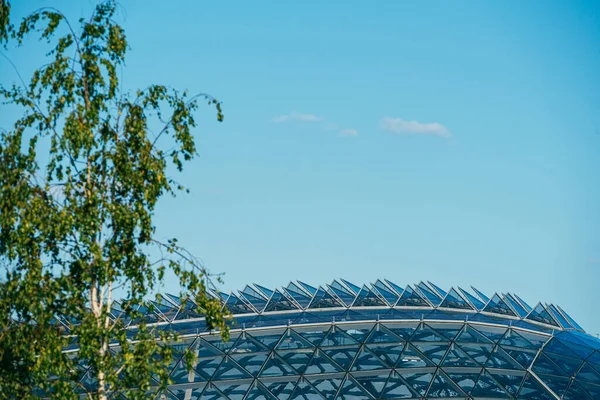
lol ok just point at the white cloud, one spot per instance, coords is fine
(348, 132)
(296, 116)
(401, 126)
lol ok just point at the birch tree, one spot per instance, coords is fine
(81, 172)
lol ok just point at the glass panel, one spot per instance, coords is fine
(540, 314)
(236, 392)
(297, 359)
(482, 296)
(442, 386)
(367, 361)
(448, 330)
(455, 300)
(488, 387)
(292, 340)
(545, 366)
(276, 367)
(412, 358)
(513, 338)
(302, 299)
(352, 391)
(320, 364)
(397, 288)
(515, 305)
(523, 357)
(510, 383)
(441, 292)
(388, 354)
(251, 362)
(352, 286)
(305, 391)
(576, 392)
(531, 389)
(337, 337)
(411, 298)
(594, 390)
(324, 299)
(456, 357)
(258, 393)
(279, 302)
(396, 388)
(343, 357)
(568, 364)
(426, 334)
(373, 384)
(419, 382)
(571, 320)
(341, 292)
(211, 393)
(230, 370)
(500, 359)
(281, 390)
(465, 381)
(478, 352)
(327, 387)
(380, 334)
(366, 297)
(559, 317)
(474, 300)
(207, 367)
(557, 384)
(433, 352)
(588, 373)
(471, 335)
(429, 294)
(385, 292)
(498, 306)
(236, 306)
(309, 289)
(405, 330)
(557, 347)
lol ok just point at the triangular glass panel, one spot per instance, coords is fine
(314, 335)
(466, 381)
(405, 330)
(385, 292)
(448, 330)
(493, 333)
(478, 352)
(443, 387)
(206, 367)
(212, 393)
(540, 314)
(592, 389)
(456, 357)
(429, 294)
(498, 306)
(345, 295)
(352, 286)
(526, 306)
(309, 289)
(327, 387)
(235, 305)
(470, 335)
(399, 290)
(367, 361)
(557, 384)
(279, 302)
(337, 337)
(373, 384)
(305, 391)
(275, 366)
(438, 289)
(412, 358)
(522, 356)
(532, 389)
(344, 356)
(281, 390)
(515, 305)
(557, 347)
(576, 392)
(482, 296)
(258, 392)
(513, 338)
(252, 362)
(427, 334)
(410, 298)
(434, 352)
(397, 388)
(568, 364)
(229, 369)
(324, 299)
(454, 300)
(568, 317)
(478, 304)
(535, 339)
(418, 382)
(589, 374)
(320, 363)
(352, 390)
(246, 344)
(544, 365)
(253, 297)
(236, 392)
(381, 334)
(486, 387)
(293, 341)
(266, 292)
(298, 294)
(367, 298)
(559, 317)
(501, 359)
(387, 353)
(510, 383)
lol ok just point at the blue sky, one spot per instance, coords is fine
(457, 142)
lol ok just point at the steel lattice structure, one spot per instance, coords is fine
(381, 341)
